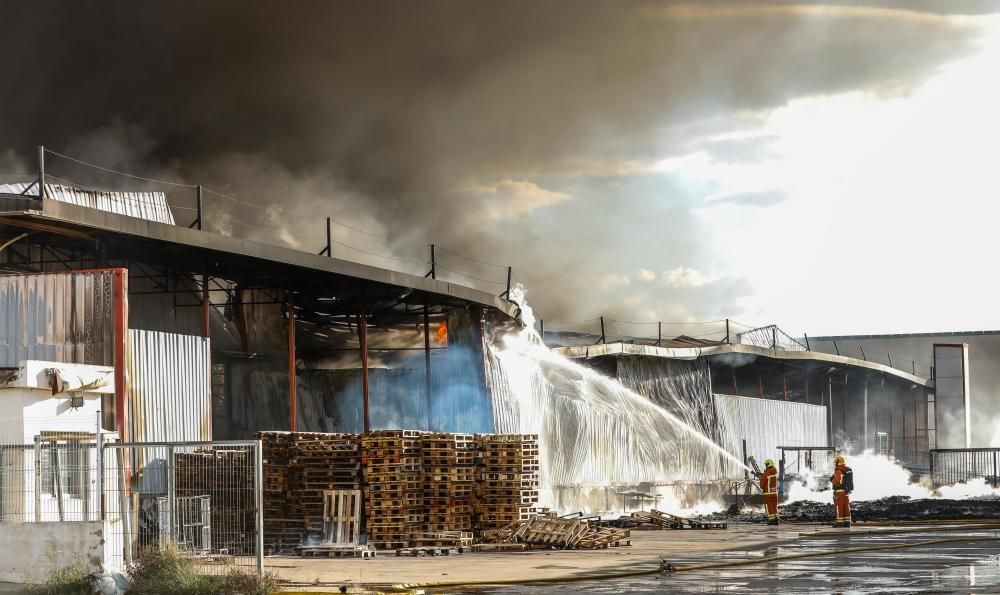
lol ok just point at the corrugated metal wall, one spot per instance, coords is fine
(66, 317)
(168, 396)
(151, 206)
(766, 424)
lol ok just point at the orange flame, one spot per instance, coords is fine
(442, 332)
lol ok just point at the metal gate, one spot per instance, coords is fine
(204, 498)
(954, 465)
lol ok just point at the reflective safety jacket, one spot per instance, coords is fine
(769, 481)
(842, 479)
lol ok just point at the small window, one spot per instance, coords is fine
(67, 462)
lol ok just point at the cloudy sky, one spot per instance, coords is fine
(826, 167)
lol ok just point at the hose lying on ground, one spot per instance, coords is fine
(671, 569)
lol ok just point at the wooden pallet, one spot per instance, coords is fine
(336, 551)
(429, 551)
(499, 547)
(342, 517)
(665, 520)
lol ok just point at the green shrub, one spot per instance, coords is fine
(71, 579)
(167, 571)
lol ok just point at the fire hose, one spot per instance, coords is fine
(668, 568)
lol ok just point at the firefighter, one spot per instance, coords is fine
(843, 484)
(769, 485)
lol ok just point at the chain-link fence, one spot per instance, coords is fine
(48, 469)
(202, 497)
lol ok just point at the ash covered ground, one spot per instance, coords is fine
(893, 508)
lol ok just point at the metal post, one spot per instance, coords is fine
(746, 471)
(99, 456)
(889, 355)
(41, 172)
(205, 305)
(603, 338)
(808, 347)
(541, 329)
(774, 337)
(171, 494)
(510, 274)
(329, 237)
(433, 264)
(293, 411)
(38, 479)
(829, 409)
(124, 504)
(727, 331)
(836, 347)
(659, 333)
(864, 419)
(427, 364)
(363, 336)
(259, 494)
(863, 356)
(57, 481)
(201, 209)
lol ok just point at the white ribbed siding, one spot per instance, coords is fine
(151, 206)
(168, 387)
(767, 424)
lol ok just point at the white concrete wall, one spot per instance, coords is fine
(30, 549)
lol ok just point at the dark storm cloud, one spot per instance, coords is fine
(408, 115)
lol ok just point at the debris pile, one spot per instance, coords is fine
(893, 508)
(546, 532)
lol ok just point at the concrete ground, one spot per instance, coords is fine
(952, 566)
(646, 549)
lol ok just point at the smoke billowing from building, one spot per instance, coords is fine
(482, 126)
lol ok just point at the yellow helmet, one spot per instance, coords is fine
(769, 463)
(841, 460)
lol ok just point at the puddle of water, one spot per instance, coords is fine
(969, 567)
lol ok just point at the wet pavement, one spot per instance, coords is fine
(958, 567)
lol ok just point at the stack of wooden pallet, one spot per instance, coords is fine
(449, 480)
(507, 479)
(298, 469)
(322, 462)
(283, 528)
(226, 477)
(549, 532)
(393, 490)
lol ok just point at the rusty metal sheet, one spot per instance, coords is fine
(64, 317)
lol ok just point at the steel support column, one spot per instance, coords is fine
(206, 329)
(427, 364)
(864, 419)
(292, 415)
(363, 339)
(121, 347)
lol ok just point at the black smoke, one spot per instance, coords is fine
(433, 120)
